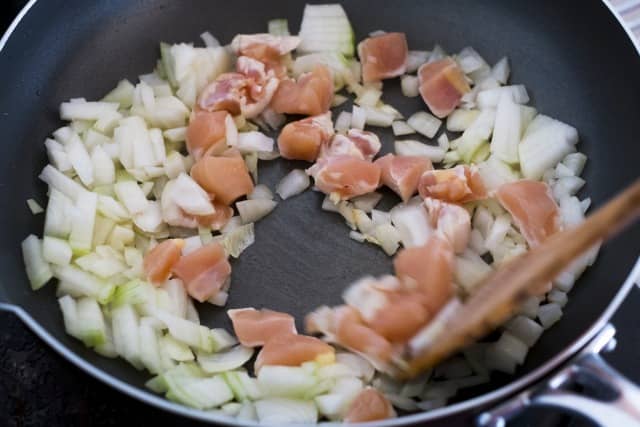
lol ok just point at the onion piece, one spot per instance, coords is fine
(548, 314)
(343, 122)
(410, 86)
(500, 71)
(209, 40)
(253, 210)
(412, 223)
(227, 360)
(260, 191)
(525, 329)
(358, 117)
(410, 147)
(459, 120)
(280, 411)
(254, 141)
(416, 58)
(377, 116)
(491, 97)
(425, 123)
(294, 183)
(367, 202)
(401, 128)
(37, 268)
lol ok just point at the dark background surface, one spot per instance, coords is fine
(38, 387)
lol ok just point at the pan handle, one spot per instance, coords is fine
(615, 401)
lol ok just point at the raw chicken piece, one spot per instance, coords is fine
(533, 209)
(255, 327)
(442, 84)
(428, 270)
(204, 271)
(159, 261)
(369, 405)
(453, 221)
(347, 176)
(302, 139)
(294, 350)
(460, 184)
(226, 93)
(311, 95)
(351, 332)
(226, 177)
(402, 173)
(383, 57)
(357, 143)
(206, 129)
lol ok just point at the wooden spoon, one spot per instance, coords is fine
(503, 291)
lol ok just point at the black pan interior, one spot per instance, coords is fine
(577, 63)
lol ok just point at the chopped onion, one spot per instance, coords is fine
(388, 237)
(500, 71)
(328, 205)
(294, 183)
(367, 202)
(174, 164)
(227, 360)
(491, 97)
(253, 210)
(412, 223)
(260, 191)
(326, 28)
(56, 251)
(238, 239)
(402, 128)
(279, 411)
(470, 60)
(34, 207)
(343, 122)
(410, 147)
(548, 314)
(498, 232)
(86, 110)
(278, 27)
(425, 123)
(494, 173)
(459, 120)
(209, 40)
(558, 297)
(469, 272)
(525, 329)
(37, 268)
(415, 59)
(369, 96)
(507, 130)
(254, 141)
(358, 117)
(585, 204)
(545, 143)
(575, 162)
(285, 381)
(571, 211)
(377, 116)
(410, 86)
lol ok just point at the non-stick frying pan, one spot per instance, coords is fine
(576, 58)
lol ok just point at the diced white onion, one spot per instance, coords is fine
(525, 329)
(410, 147)
(401, 128)
(343, 122)
(500, 71)
(548, 314)
(459, 120)
(415, 59)
(294, 183)
(425, 123)
(490, 98)
(410, 86)
(254, 210)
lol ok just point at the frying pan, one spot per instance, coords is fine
(577, 60)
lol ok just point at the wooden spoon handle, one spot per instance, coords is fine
(503, 291)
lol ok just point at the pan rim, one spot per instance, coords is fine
(501, 393)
